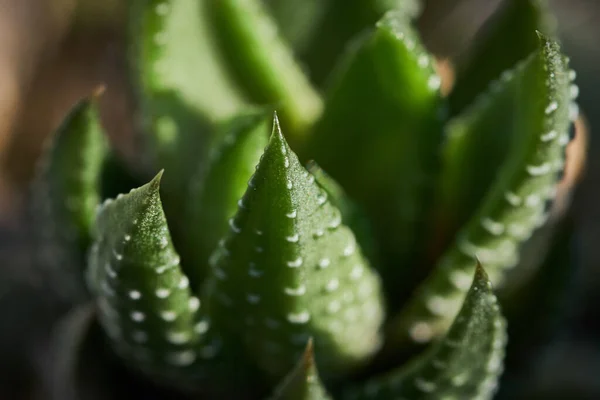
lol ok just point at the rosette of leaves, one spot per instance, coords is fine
(238, 268)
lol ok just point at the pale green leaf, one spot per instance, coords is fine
(514, 206)
(218, 184)
(263, 63)
(465, 364)
(503, 41)
(380, 134)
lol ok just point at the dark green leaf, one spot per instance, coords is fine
(503, 41)
(465, 364)
(66, 193)
(262, 62)
(352, 215)
(289, 270)
(218, 184)
(515, 205)
(145, 303)
(303, 383)
(350, 18)
(380, 134)
(298, 20)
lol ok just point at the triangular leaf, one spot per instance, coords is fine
(218, 184)
(65, 195)
(502, 42)
(303, 382)
(262, 62)
(515, 204)
(145, 303)
(465, 364)
(293, 270)
(380, 134)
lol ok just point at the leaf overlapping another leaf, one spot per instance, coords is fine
(145, 303)
(465, 364)
(384, 109)
(66, 193)
(218, 184)
(303, 382)
(262, 63)
(515, 204)
(293, 270)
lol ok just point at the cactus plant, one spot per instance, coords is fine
(360, 258)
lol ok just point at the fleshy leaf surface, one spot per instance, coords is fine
(303, 382)
(358, 15)
(66, 193)
(218, 184)
(291, 270)
(352, 215)
(297, 20)
(144, 300)
(179, 85)
(465, 364)
(503, 41)
(514, 206)
(171, 53)
(382, 113)
(262, 62)
(483, 135)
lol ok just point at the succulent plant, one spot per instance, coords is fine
(349, 251)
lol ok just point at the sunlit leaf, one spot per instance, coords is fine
(289, 269)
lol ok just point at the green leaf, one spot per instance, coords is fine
(483, 135)
(503, 41)
(303, 382)
(380, 134)
(350, 18)
(218, 184)
(171, 54)
(465, 364)
(297, 20)
(352, 215)
(180, 87)
(262, 62)
(292, 270)
(515, 204)
(144, 300)
(65, 195)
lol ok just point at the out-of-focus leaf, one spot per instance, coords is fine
(383, 114)
(263, 63)
(506, 39)
(350, 18)
(65, 195)
(465, 364)
(352, 215)
(514, 206)
(218, 184)
(303, 382)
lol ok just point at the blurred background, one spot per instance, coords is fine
(52, 52)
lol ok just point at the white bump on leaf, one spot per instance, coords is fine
(299, 318)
